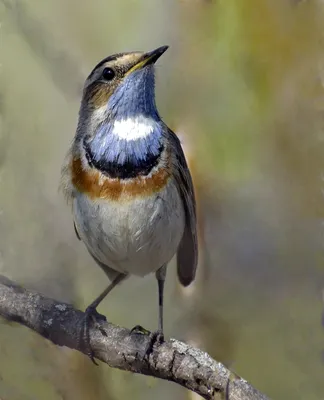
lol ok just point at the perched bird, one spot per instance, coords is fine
(127, 178)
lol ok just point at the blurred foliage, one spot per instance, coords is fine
(242, 84)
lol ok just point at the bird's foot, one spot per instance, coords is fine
(138, 329)
(91, 318)
(156, 338)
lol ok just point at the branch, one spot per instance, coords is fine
(119, 348)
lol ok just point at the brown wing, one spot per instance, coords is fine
(66, 185)
(187, 255)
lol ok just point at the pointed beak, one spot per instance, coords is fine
(152, 56)
(148, 58)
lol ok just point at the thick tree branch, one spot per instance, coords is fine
(173, 360)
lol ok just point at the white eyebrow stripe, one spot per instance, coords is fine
(133, 128)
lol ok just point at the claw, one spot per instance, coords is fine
(155, 339)
(138, 329)
(92, 317)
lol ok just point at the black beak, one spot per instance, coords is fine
(152, 56)
(148, 58)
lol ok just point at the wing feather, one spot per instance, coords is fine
(76, 231)
(187, 255)
(66, 184)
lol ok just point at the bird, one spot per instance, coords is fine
(126, 178)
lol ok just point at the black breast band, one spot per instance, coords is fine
(126, 170)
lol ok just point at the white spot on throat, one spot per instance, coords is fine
(133, 128)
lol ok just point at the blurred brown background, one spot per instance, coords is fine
(242, 84)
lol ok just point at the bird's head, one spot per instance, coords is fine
(122, 86)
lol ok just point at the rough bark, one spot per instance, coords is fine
(119, 348)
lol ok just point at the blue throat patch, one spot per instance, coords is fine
(121, 158)
(110, 151)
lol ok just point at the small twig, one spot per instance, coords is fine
(173, 360)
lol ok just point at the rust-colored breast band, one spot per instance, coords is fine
(98, 186)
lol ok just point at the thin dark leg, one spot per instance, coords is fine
(156, 337)
(108, 289)
(91, 314)
(160, 276)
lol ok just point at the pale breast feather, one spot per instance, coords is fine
(135, 237)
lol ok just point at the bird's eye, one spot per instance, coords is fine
(108, 74)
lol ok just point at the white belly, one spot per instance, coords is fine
(135, 237)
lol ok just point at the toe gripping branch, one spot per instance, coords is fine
(91, 318)
(156, 338)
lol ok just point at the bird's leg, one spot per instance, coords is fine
(157, 336)
(160, 276)
(92, 316)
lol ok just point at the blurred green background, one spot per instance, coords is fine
(242, 84)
